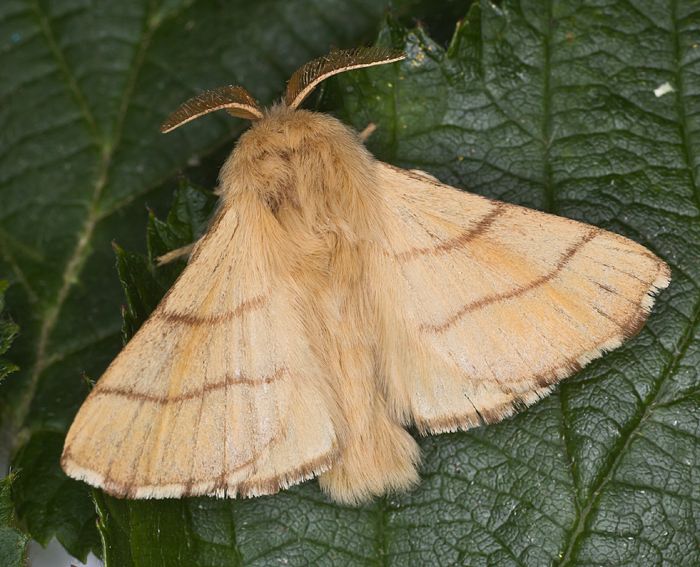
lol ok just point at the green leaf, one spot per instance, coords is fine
(524, 107)
(552, 105)
(13, 542)
(83, 89)
(520, 107)
(8, 332)
(547, 104)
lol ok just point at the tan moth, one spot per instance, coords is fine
(337, 300)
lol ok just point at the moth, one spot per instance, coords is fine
(336, 301)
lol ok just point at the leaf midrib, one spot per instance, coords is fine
(626, 438)
(108, 146)
(607, 473)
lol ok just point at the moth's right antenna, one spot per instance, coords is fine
(236, 100)
(306, 78)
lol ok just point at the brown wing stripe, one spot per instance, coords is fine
(518, 291)
(237, 380)
(544, 380)
(193, 320)
(458, 241)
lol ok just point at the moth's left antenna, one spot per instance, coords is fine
(236, 100)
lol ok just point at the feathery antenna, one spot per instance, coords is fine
(236, 100)
(306, 78)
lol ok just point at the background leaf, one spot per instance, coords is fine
(544, 103)
(8, 332)
(552, 105)
(13, 542)
(83, 89)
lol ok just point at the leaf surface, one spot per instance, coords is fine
(13, 542)
(552, 105)
(8, 332)
(84, 87)
(549, 104)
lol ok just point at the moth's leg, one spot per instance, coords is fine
(187, 250)
(175, 254)
(367, 132)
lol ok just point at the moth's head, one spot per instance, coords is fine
(238, 102)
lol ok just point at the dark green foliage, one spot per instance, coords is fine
(13, 542)
(84, 88)
(8, 332)
(544, 103)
